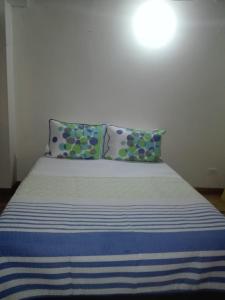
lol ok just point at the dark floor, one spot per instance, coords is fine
(5, 196)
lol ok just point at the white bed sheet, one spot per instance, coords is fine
(104, 182)
(100, 168)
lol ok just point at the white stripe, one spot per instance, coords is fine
(102, 211)
(108, 209)
(96, 270)
(203, 202)
(44, 202)
(113, 280)
(112, 291)
(116, 257)
(111, 210)
(51, 230)
(199, 201)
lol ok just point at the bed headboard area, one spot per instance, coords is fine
(78, 61)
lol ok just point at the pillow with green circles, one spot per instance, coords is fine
(75, 140)
(132, 144)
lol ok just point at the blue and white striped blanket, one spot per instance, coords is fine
(70, 235)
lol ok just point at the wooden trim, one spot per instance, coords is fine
(209, 191)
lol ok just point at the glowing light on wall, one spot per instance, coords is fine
(154, 24)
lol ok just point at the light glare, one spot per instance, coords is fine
(154, 24)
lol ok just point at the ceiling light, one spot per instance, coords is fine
(154, 24)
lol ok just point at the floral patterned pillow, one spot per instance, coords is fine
(75, 140)
(132, 144)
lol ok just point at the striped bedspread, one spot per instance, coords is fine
(100, 235)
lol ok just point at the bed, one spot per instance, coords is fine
(101, 227)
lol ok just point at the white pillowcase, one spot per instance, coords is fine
(132, 144)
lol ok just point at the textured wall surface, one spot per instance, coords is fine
(79, 61)
(5, 174)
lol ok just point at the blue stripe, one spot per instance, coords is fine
(125, 263)
(209, 213)
(118, 214)
(63, 217)
(78, 223)
(116, 228)
(190, 282)
(13, 220)
(66, 229)
(15, 276)
(107, 243)
(56, 218)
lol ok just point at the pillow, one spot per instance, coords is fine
(132, 144)
(75, 140)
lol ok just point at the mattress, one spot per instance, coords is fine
(100, 227)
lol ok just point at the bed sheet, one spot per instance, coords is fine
(108, 227)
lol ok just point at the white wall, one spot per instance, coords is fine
(77, 60)
(7, 104)
(4, 128)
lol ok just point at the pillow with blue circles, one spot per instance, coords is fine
(132, 144)
(75, 140)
